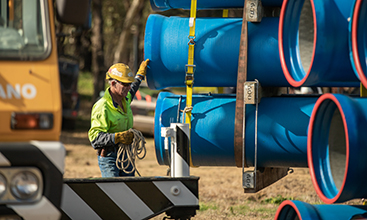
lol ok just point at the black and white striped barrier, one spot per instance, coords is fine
(31, 178)
(179, 134)
(129, 198)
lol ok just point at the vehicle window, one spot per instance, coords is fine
(24, 29)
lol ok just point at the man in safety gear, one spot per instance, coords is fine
(111, 117)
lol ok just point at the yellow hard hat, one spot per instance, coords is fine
(120, 72)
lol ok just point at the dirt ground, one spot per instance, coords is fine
(221, 195)
(220, 188)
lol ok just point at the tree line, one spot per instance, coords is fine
(114, 33)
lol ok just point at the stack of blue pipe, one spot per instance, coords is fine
(337, 140)
(327, 133)
(282, 142)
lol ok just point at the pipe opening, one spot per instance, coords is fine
(306, 35)
(288, 213)
(328, 148)
(296, 40)
(337, 149)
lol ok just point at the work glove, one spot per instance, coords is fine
(124, 137)
(143, 68)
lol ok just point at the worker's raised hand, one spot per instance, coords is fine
(143, 68)
(124, 137)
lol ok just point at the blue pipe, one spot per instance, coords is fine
(292, 209)
(163, 5)
(282, 129)
(216, 52)
(337, 149)
(358, 40)
(318, 55)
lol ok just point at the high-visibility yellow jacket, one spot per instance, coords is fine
(107, 118)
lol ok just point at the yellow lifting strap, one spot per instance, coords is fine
(225, 13)
(190, 67)
(363, 91)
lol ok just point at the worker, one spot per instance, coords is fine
(111, 117)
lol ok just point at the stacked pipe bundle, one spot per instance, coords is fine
(312, 43)
(337, 140)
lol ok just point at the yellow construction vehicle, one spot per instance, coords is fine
(31, 155)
